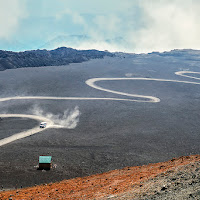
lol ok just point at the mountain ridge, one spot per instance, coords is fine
(38, 58)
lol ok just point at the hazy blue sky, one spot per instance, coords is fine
(115, 25)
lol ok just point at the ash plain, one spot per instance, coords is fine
(109, 134)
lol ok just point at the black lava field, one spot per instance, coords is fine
(109, 134)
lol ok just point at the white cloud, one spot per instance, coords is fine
(146, 25)
(11, 11)
(76, 18)
(101, 45)
(107, 24)
(168, 25)
(92, 6)
(163, 25)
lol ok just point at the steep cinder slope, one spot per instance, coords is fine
(154, 181)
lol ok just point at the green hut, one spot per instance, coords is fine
(45, 162)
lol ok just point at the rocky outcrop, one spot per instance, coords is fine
(37, 58)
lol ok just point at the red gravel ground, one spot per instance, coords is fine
(99, 186)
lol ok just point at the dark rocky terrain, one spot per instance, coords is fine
(110, 134)
(37, 58)
(10, 126)
(186, 54)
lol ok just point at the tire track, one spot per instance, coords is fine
(91, 83)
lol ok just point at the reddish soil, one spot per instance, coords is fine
(100, 186)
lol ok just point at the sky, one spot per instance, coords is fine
(136, 26)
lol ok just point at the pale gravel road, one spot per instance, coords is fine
(91, 83)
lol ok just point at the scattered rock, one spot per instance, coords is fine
(163, 188)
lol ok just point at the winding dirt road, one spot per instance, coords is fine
(91, 83)
(24, 133)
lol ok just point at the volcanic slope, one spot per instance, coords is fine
(109, 134)
(174, 179)
(91, 83)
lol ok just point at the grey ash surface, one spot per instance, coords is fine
(11, 126)
(110, 134)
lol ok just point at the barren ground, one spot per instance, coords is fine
(174, 179)
(109, 134)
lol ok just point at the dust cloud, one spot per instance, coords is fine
(69, 119)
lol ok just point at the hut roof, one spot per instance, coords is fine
(45, 159)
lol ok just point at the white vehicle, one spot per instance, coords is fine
(43, 125)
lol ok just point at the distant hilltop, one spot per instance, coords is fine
(65, 56)
(38, 58)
